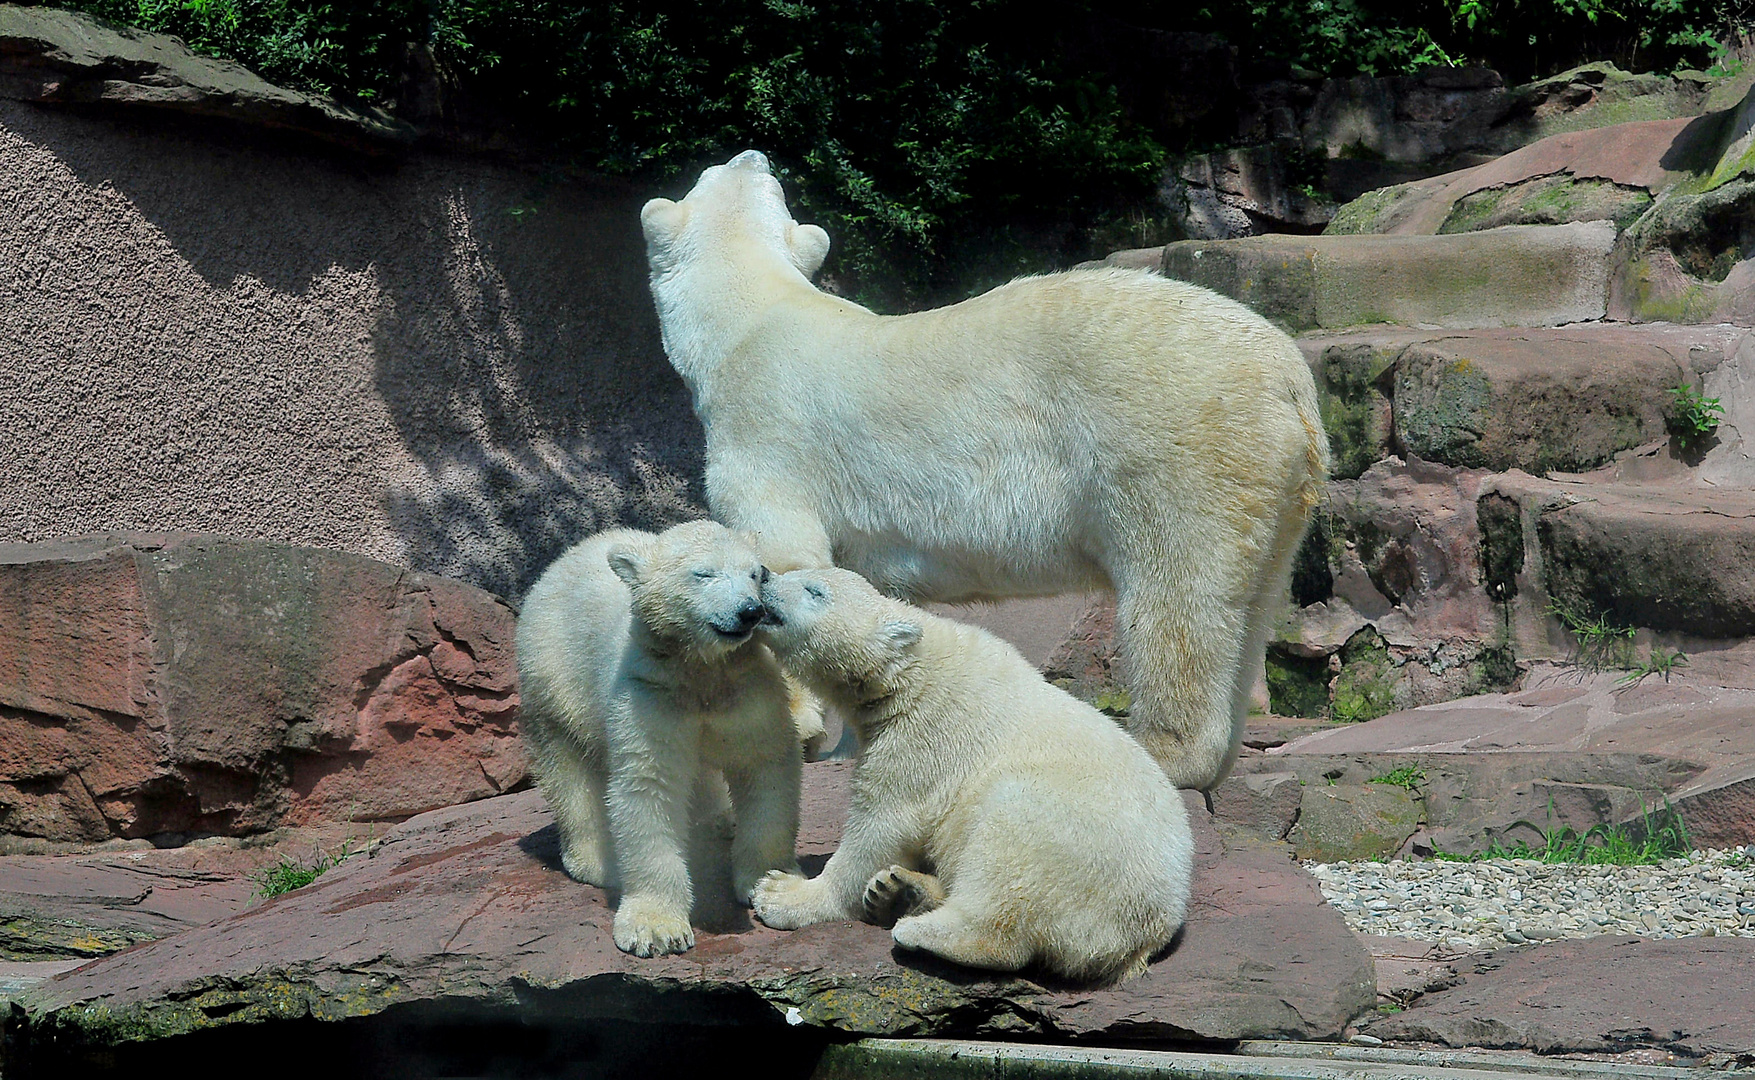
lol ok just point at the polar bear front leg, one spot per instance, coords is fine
(765, 801)
(872, 843)
(649, 817)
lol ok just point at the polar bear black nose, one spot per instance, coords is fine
(750, 612)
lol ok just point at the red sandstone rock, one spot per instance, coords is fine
(1596, 995)
(468, 906)
(192, 684)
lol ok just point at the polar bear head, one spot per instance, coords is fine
(839, 633)
(696, 586)
(735, 215)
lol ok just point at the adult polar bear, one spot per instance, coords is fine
(1094, 428)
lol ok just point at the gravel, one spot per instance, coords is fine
(1494, 902)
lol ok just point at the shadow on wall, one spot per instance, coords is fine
(439, 362)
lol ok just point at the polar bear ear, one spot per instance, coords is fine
(809, 246)
(662, 220)
(629, 563)
(900, 635)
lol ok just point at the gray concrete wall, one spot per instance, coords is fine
(437, 362)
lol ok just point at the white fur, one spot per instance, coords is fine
(1057, 839)
(1096, 428)
(637, 704)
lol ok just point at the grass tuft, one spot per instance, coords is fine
(1408, 777)
(1659, 661)
(289, 874)
(1598, 643)
(1660, 836)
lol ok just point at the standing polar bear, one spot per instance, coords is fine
(1050, 835)
(644, 700)
(1095, 428)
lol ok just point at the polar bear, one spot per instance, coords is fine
(1101, 428)
(642, 694)
(1007, 822)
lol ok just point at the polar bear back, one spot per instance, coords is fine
(571, 633)
(1030, 409)
(1021, 758)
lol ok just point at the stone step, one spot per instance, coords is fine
(1538, 399)
(1569, 750)
(1519, 275)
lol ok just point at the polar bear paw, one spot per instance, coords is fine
(652, 928)
(788, 901)
(897, 893)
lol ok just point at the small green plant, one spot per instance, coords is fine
(1408, 777)
(1598, 643)
(1660, 836)
(289, 874)
(1693, 418)
(1659, 661)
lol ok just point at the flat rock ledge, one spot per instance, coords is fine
(1604, 994)
(467, 908)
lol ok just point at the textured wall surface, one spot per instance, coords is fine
(435, 362)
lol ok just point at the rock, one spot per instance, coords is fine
(160, 685)
(1365, 141)
(1367, 821)
(1597, 995)
(65, 58)
(1265, 804)
(1407, 968)
(468, 907)
(1628, 158)
(1682, 561)
(1513, 276)
(53, 908)
(1570, 750)
(1563, 398)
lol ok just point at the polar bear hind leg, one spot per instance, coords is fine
(899, 892)
(1182, 629)
(574, 789)
(950, 932)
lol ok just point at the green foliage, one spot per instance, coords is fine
(1408, 778)
(945, 147)
(1692, 418)
(289, 874)
(1598, 643)
(1658, 661)
(1659, 837)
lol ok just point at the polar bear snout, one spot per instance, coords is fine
(750, 159)
(746, 618)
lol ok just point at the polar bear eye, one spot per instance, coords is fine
(815, 591)
(705, 575)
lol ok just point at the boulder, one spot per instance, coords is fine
(161, 686)
(65, 58)
(468, 908)
(1523, 275)
(1667, 560)
(1354, 821)
(1597, 995)
(1566, 398)
(1571, 750)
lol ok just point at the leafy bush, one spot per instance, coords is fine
(945, 147)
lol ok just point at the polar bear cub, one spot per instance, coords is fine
(641, 688)
(1093, 429)
(1005, 821)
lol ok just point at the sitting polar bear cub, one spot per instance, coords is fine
(1100, 428)
(641, 687)
(1051, 836)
